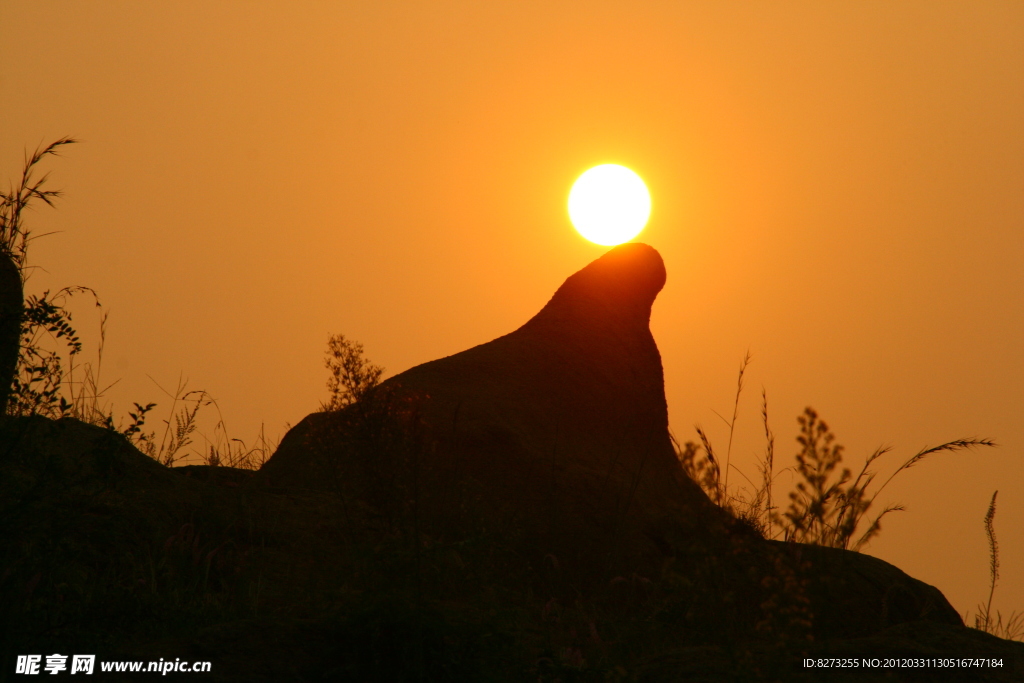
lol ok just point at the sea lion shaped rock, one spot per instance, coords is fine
(563, 421)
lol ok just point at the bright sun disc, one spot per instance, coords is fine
(609, 204)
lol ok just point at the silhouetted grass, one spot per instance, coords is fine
(828, 505)
(14, 236)
(48, 378)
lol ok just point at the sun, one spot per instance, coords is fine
(609, 204)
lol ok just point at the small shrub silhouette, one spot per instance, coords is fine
(351, 374)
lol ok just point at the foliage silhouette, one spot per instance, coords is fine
(14, 240)
(39, 380)
(828, 505)
(351, 374)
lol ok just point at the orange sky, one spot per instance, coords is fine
(838, 187)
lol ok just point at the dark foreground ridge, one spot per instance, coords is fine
(514, 512)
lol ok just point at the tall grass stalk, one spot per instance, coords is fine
(732, 423)
(767, 468)
(993, 553)
(984, 620)
(177, 437)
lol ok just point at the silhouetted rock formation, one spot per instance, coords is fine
(563, 423)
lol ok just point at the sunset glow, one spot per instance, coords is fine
(835, 188)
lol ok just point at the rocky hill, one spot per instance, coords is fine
(513, 512)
